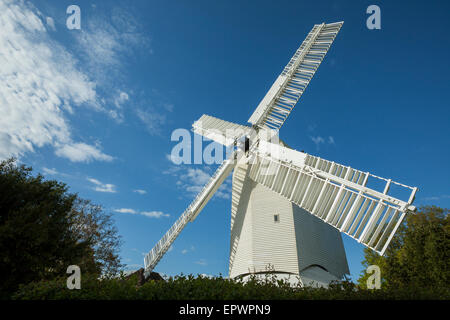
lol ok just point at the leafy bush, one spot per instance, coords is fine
(418, 254)
(217, 288)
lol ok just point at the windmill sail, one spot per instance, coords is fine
(287, 89)
(161, 247)
(219, 130)
(334, 193)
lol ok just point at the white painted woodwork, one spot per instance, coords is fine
(287, 89)
(293, 244)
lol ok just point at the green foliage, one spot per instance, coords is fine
(44, 229)
(418, 256)
(217, 288)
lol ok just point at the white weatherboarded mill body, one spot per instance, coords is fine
(289, 208)
(271, 234)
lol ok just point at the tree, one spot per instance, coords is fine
(419, 254)
(44, 229)
(93, 225)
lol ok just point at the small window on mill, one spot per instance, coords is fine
(276, 218)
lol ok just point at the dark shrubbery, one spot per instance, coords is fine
(44, 229)
(201, 288)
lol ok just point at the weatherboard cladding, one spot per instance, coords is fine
(291, 245)
(318, 244)
(241, 239)
(240, 248)
(273, 242)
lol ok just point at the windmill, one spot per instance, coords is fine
(289, 208)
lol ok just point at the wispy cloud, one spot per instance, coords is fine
(81, 152)
(39, 81)
(436, 198)
(102, 187)
(104, 42)
(108, 40)
(192, 180)
(125, 210)
(140, 191)
(154, 111)
(201, 262)
(184, 251)
(50, 171)
(119, 100)
(50, 23)
(153, 121)
(150, 214)
(318, 140)
(154, 214)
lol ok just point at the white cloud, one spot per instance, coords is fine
(154, 214)
(50, 171)
(100, 42)
(81, 152)
(312, 127)
(168, 106)
(104, 43)
(192, 181)
(150, 214)
(126, 210)
(39, 81)
(318, 140)
(436, 198)
(121, 98)
(174, 159)
(201, 262)
(118, 101)
(51, 23)
(173, 170)
(184, 251)
(140, 191)
(102, 187)
(197, 177)
(153, 120)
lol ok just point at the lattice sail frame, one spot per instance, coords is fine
(218, 130)
(287, 89)
(332, 192)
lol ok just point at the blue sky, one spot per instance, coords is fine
(96, 107)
